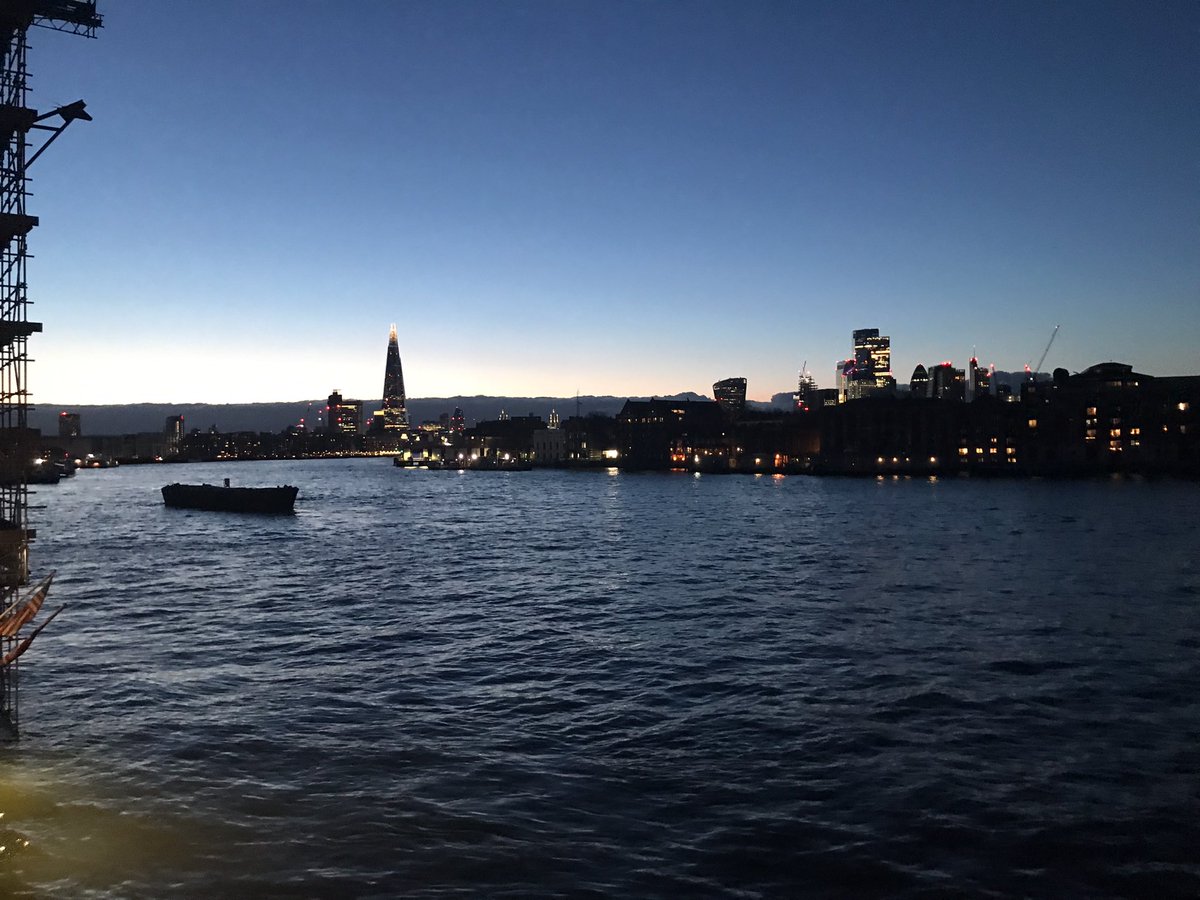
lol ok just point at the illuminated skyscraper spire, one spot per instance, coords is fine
(394, 412)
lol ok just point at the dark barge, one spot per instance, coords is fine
(231, 499)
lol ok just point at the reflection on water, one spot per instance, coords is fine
(635, 684)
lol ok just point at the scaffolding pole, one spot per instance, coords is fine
(18, 443)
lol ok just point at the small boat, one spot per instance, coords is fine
(231, 499)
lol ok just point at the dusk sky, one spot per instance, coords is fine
(608, 197)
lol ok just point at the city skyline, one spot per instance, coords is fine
(611, 199)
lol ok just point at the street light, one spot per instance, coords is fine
(69, 113)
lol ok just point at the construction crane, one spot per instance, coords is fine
(806, 387)
(1032, 373)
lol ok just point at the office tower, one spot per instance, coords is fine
(844, 374)
(173, 429)
(871, 369)
(731, 394)
(862, 349)
(873, 359)
(342, 416)
(69, 425)
(554, 420)
(947, 382)
(394, 415)
(458, 422)
(980, 381)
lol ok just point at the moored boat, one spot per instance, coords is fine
(479, 464)
(280, 499)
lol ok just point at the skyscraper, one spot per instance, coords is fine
(979, 381)
(173, 428)
(845, 375)
(872, 361)
(947, 382)
(918, 385)
(342, 416)
(394, 415)
(731, 394)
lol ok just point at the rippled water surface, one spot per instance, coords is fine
(553, 683)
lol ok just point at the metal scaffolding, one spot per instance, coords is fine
(18, 444)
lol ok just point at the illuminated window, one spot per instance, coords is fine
(1091, 410)
(1033, 423)
(1183, 407)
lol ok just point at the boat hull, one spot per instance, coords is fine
(231, 499)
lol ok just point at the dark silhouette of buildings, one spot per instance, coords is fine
(510, 439)
(591, 441)
(1105, 419)
(1110, 418)
(659, 434)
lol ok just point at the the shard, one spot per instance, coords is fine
(394, 414)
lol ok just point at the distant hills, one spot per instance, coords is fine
(133, 418)
(274, 417)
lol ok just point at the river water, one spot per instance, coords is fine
(557, 683)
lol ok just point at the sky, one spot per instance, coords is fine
(608, 197)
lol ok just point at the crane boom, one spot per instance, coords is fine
(1053, 335)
